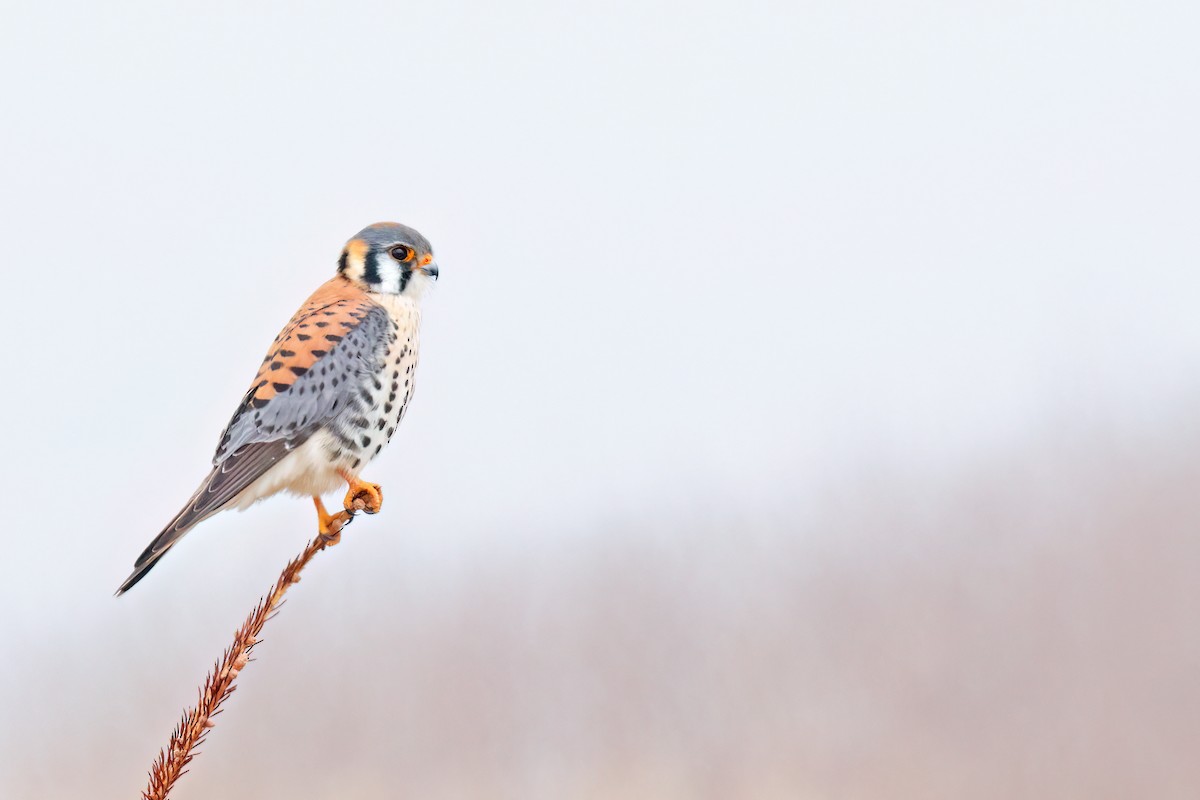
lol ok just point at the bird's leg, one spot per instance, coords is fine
(362, 496)
(330, 525)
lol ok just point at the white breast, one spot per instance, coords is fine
(397, 378)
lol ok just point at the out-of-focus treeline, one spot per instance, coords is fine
(1024, 626)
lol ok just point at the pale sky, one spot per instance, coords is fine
(712, 253)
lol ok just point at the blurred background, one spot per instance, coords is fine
(807, 407)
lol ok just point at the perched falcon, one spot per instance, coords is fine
(328, 396)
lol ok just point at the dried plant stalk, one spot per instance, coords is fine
(218, 685)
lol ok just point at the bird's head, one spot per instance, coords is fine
(389, 258)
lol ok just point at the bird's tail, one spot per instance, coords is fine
(140, 569)
(191, 515)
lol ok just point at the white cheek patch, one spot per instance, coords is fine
(418, 285)
(389, 279)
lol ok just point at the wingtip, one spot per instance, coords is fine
(137, 574)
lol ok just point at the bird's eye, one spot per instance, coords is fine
(402, 252)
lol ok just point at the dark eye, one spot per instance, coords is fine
(402, 252)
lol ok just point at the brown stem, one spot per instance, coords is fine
(218, 685)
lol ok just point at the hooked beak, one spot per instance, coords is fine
(429, 266)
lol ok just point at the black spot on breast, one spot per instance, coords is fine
(304, 337)
(321, 324)
(286, 353)
(366, 440)
(319, 353)
(333, 337)
(281, 387)
(299, 370)
(276, 365)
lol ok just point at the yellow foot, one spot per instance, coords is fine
(329, 526)
(363, 496)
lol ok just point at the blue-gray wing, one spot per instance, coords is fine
(329, 386)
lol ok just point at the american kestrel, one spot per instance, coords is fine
(328, 396)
